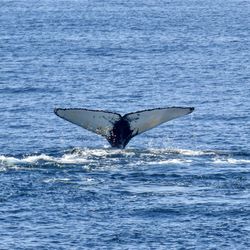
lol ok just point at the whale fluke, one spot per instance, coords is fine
(117, 129)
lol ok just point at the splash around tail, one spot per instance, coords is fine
(118, 129)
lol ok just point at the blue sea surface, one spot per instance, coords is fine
(182, 185)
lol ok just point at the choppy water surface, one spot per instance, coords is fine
(151, 198)
(183, 185)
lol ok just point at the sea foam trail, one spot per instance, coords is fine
(65, 159)
(27, 159)
(131, 156)
(170, 161)
(231, 161)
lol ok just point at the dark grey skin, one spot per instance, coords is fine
(121, 134)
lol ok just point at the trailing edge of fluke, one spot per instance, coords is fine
(118, 129)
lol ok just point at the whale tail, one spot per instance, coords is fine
(117, 129)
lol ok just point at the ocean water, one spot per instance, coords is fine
(182, 185)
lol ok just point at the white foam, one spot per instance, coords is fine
(52, 180)
(36, 158)
(115, 157)
(28, 159)
(170, 161)
(231, 161)
(186, 152)
(65, 159)
(195, 152)
(71, 159)
(147, 152)
(9, 160)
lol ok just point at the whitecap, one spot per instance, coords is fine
(231, 161)
(33, 159)
(170, 161)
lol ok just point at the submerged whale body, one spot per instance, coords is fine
(117, 129)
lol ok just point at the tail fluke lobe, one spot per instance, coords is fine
(99, 122)
(144, 120)
(117, 129)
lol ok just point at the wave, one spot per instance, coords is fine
(132, 157)
(231, 161)
(65, 159)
